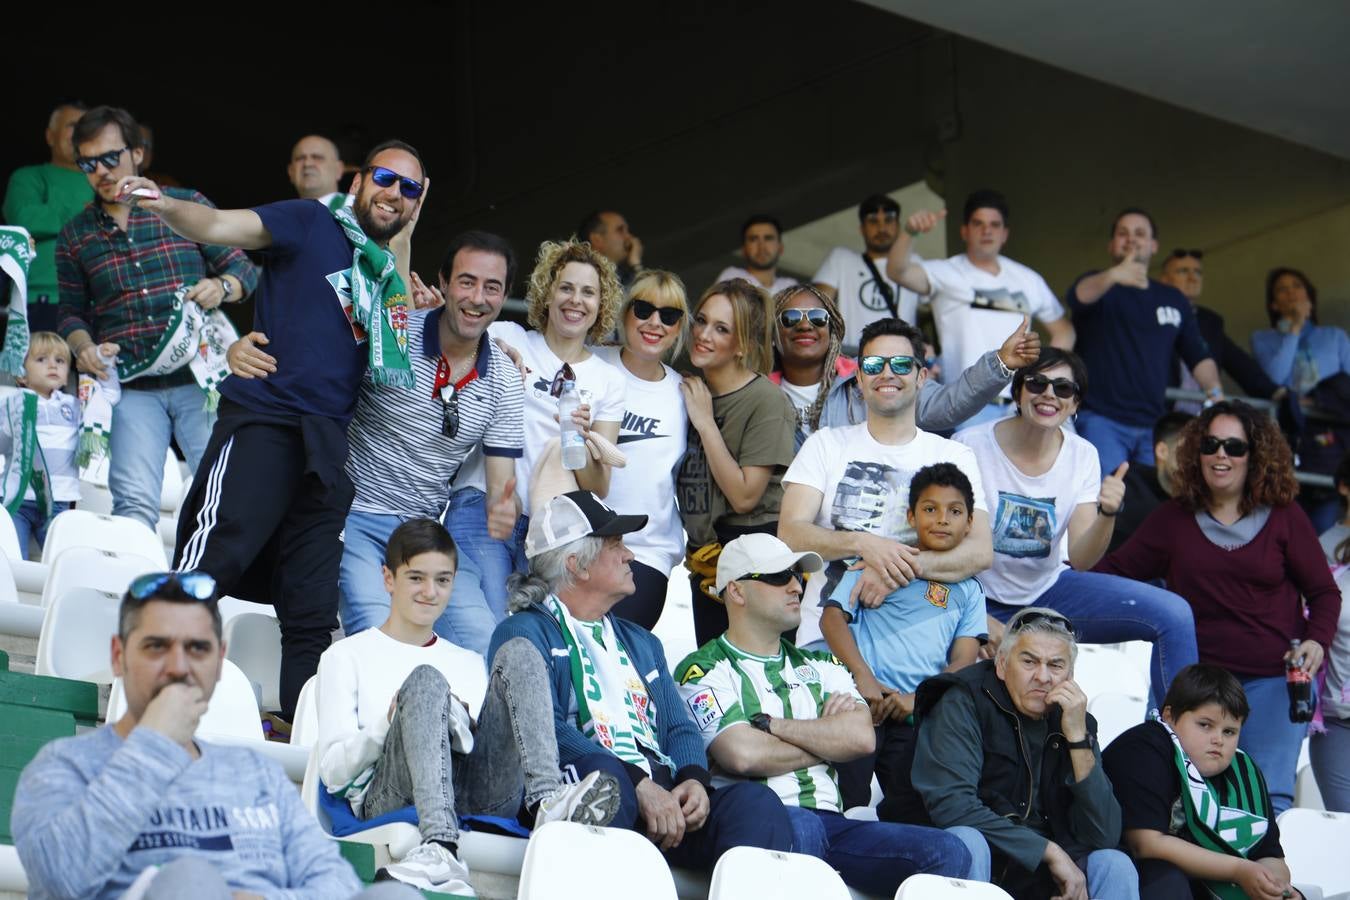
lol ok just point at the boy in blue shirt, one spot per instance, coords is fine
(919, 630)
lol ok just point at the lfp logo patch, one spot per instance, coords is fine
(705, 709)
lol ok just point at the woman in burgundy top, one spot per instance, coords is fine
(1246, 557)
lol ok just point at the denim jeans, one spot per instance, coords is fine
(1270, 738)
(1330, 754)
(192, 876)
(1115, 441)
(874, 857)
(1106, 609)
(30, 523)
(494, 560)
(514, 757)
(143, 423)
(364, 603)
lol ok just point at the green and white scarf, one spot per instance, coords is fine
(380, 305)
(16, 256)
(1230, 830)
(194, 337)
(97, 396)
(613, 707)
(25, 466)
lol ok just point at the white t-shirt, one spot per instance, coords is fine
(1030, 518)
(598, 383)
(975, 311)
(866, 488)
(859, 300)
(802, 396)
(653, 437)
(780, 282)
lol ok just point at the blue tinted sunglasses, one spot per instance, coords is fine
(900, 365)
(385, 177)
(193, 585)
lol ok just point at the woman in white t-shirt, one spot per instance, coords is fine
(652, 436)
(1049, 506)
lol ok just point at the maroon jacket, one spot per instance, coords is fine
(1246, 601)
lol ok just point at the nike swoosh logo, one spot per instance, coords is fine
(629, 438)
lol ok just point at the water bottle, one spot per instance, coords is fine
(572, 440)
(1299, 685)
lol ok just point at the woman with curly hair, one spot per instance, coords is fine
(572, 300)
(740, 438)
(1236, 546)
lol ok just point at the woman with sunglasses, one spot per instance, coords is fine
(1050, 505)
(1233, 542)
(822, 383)
(651, 330)
(730, 482)
(572, 299)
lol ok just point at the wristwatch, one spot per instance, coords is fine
(1084, 744)
(1111, 515)
(761, 721)
(226, 287)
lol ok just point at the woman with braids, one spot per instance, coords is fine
(1236, 546)
(822, 383)
(740, 438)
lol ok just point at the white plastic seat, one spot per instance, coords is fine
(80, 528)
(1314, 845)
(1307, 795)
(395, 839)
(231, 717)
(77, 631)
(9, 537)
(87, 567)
(562, 860)
(95, 498)
(233, 606)
(752, 872)
(16, 618)
(1116, 713)
(253, 643)
(171, 491)
(305, 728)
(1102, 670)
(936, 887)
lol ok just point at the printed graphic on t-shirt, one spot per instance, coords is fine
(692, 481)
(872, 497)
(342, 286)
(1024, 527)
(870, 295)
(1001, 299)
(248, 831)
(639, 428)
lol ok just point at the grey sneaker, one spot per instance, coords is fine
(431, 867)
(594, 800)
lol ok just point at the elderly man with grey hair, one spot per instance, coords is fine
(1007, 747)
(615, 707)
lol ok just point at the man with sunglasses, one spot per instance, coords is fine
(142, 803)
(858, 282)
(1008, 748)
(787, 717)
(266, 512)
(128, 279)
(761, 247)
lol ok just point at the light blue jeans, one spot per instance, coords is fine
(143, 422)
(466, 520)
(1270, 738)
(1115, 441)
(29, 524)
(1330, 754)
(364, 603)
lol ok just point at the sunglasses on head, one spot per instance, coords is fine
(670, 315)
(192, 585)
(1063, 387)
(791, 318)
(900, 365)
(777, 579)
(563, 374)
(1033, 617)
(406, 186)
(1234, 447)
(88, 164)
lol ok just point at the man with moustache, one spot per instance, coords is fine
(127, 279)
(762, 247)
(266, 512)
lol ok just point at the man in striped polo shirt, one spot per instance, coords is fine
(771, 712)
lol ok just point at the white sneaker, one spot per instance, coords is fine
(432, 867)
(594, 800)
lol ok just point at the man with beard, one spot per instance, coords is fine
(762, 247)
(267, 507)
(858, 282)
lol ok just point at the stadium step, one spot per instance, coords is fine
(79, 698)
(24, 730)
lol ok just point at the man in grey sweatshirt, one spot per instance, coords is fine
(141, 802)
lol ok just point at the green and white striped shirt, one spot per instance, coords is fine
(724, 686)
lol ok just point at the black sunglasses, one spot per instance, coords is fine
(88, 164)
(900, 365)
(1234, 447)
(192, 585)
(1064, 388)
(563, 374)
(1181, 253)
(670, 315)
(449, 411)
(1033, 617)
(777, 579)
(791, 318)
(385, 177)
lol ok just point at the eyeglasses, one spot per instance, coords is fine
(1064, 388)
(1181, 253)
(193, 585)
(900, 365)
(670, 315)
(385, 177)
(89, 164)
(791, 318)
(449, 411)
(1032, 618)
(564, 374)
(1234, 447)
(777, 579)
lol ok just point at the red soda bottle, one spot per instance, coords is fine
(1299, 685)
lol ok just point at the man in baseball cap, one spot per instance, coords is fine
(616, 708)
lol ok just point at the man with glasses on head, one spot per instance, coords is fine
(265, 514)
(1007, 747)
(762, 247)
(140, 804)
(786, 717)
(128, 279)
(858, 282)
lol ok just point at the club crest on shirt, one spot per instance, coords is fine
(692, 672)
(807, 674)
(603, 735)
(705, 709)
(937, 594)
(341, 284)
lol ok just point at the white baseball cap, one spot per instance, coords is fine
(574, 515)
(752, 554)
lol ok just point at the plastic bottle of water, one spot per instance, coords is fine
(572, 440)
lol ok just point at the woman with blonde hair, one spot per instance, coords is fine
(730, 482)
